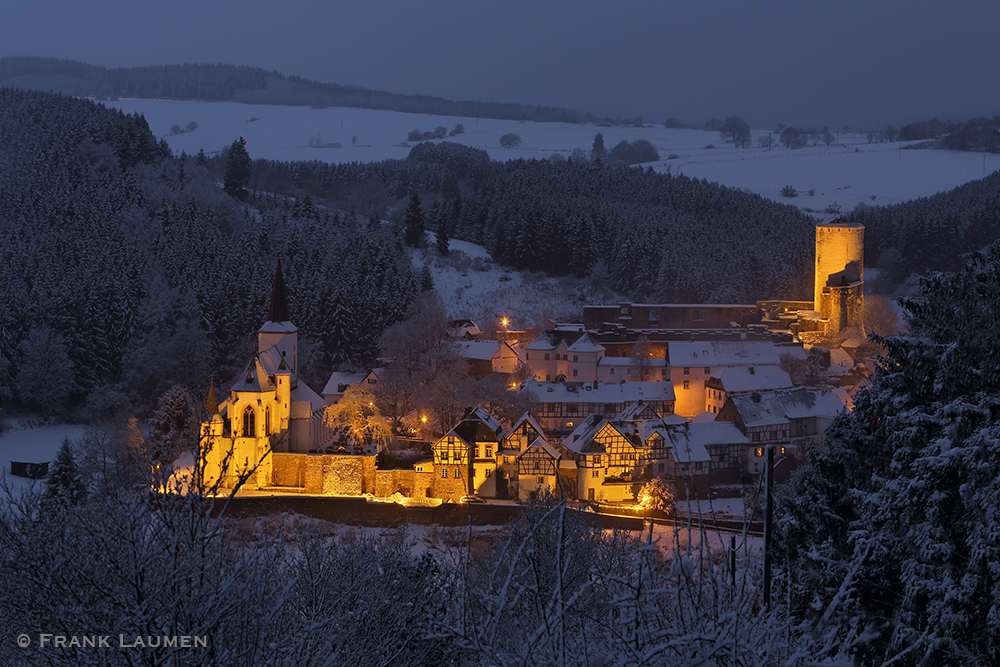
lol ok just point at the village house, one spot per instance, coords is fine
(488, 356)
(692, 364)
(561, 406)
(465, 458)
(744, 380)
(788, 419)
(616, 456)
(671, 315)
(563, 354)
(340, 380)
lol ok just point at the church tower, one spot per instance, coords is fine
(277, 331)
(839, 280)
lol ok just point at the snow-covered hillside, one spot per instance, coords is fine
(473, 287)
(850, 172)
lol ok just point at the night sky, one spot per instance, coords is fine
(799, 63)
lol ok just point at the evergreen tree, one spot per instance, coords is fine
(907, 492)
(45, 376)
(64, 484)
(238, 168)
(426, 279)
(414, 223)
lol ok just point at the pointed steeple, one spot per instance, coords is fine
(211, 404)
(278, 312)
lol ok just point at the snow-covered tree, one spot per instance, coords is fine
(45, 376)
(64, 484)
(357, 413)
(908, 489)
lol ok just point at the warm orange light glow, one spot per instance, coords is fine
(504, 322)
(423, 419)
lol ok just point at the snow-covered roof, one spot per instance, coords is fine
(637, 410)
(338, 378)
(573, 341)
(685, 444)
(630, 361)
(254, 378)
(483, 350)
(810, 402)
(761, 378)
(582, 436)
(722, 353)
(301, 392)
(600, 392)
(278, 327)
(703, 417)
(759, 409)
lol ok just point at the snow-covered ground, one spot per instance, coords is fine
(33, 445)
(850, 172)
(485, 293)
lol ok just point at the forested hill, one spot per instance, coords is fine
(665, 238)
(125, 271)
(931, 233)
(252, 85)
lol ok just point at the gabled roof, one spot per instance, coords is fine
(526, 417)
(302, 393)
(687, 442)
(581, 439)
(541, 444)
(722, 353)
(338, 378)
(483, 350)
(575, 341)
(637, 410)
(762, 378)
(628, 361)
(254, 378)
(478, 426)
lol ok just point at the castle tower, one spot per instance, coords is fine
(839, 279)
(277, 331)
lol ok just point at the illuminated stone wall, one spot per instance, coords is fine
(840, 251)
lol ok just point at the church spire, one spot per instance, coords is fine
(211, 404)
(278, 312)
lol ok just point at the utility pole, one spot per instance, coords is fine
(768, 525)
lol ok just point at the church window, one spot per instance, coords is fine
(249, 427)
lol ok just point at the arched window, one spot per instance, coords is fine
(249, 423)
(267, 420)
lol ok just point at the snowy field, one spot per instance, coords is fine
(31, 446)
(850, 172)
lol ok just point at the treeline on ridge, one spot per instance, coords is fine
(254, 85)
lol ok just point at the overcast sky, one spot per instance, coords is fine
(798, 62)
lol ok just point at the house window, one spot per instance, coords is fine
(249, 427)
(628, 371)
(663, 373)
(541, 480)
(546, 356)
(536, 465)
(708, 369)
(611, 371)
(473, 473)
(489, 473)
(576, 358)
(527, 356)
(596, 472)
(457, 473)
(660, 467)
(574, 372)
(654, 315)
(687, 384)
(597, 460)
(699, 314)
(489, 451)
(687, 371)
(548, 376)
(444, 473)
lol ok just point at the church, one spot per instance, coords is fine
(269, 410)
